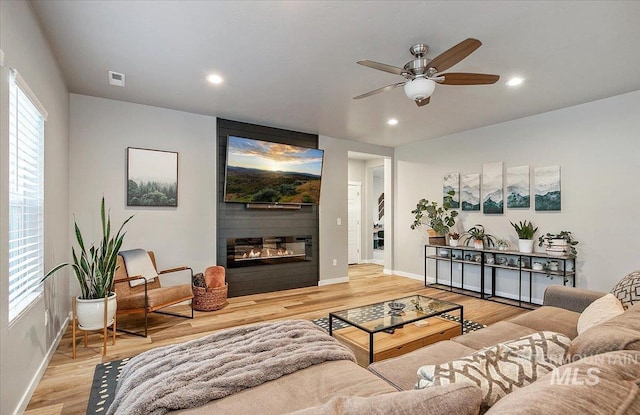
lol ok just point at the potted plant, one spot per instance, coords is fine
(453, 238)
(559, 244)
(525, 231)
(479, 237)
(440, 218)
(94, 267)
(502, 244)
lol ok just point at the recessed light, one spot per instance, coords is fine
(214, 79)
(392, 121)
(515, 81)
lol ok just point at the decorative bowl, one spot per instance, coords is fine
(396, 307)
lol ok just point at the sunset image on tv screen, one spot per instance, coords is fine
(265, 172)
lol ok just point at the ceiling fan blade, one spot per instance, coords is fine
(423, 102)
(460, 78)
(383, 67)
(454, 55)
(377, 91)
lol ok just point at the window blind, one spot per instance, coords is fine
(26, 196)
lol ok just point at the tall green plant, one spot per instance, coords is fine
(95, 267)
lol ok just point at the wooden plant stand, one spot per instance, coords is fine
(76, 326)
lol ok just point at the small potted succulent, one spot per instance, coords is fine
(440, 218)
(453, 238)
(479, 237)
(525, 231)
(502, 244)
(559, 244)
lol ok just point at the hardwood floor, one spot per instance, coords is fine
(65, 386)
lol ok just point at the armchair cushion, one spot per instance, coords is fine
(158, 297)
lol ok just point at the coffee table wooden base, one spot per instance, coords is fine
(403, 340)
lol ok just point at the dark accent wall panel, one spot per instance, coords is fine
(234, 220)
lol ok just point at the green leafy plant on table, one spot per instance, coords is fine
(439, 218)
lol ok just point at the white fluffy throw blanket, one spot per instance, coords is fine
(190, 374)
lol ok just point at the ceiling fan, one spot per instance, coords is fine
(422, 73)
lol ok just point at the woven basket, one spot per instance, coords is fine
(211, 299)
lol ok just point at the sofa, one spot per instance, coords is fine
(604, 377)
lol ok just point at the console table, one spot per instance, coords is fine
(519, 262)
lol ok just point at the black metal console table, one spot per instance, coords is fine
(520, 262)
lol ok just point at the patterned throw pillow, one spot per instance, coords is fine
(628, 290)
(500, 369)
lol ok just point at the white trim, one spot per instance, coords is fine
(387, 271)
(333, 281)
(26, 397)
(15, 77)
(418, 277)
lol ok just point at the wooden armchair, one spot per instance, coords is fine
(150, 296)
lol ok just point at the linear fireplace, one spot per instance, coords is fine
(248, 252)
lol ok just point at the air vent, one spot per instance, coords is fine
(1, 58)
(116, 78)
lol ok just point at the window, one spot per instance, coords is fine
(26, 195)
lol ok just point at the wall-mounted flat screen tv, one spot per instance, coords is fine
(264, 172)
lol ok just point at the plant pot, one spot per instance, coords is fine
(453, 242)
(557, 247)
(90, 313)
(525, 245)
(478, 244)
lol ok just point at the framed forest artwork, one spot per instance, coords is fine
(152, 177)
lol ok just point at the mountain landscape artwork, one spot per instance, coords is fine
(518, 195)
(492, 196)
(452, 182)
(547, 188)
(266, 172)
(470, 192)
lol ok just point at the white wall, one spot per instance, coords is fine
(333, 204)
(596, 144)
(26, 345)
(101, 131)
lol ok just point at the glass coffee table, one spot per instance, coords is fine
(403, 321)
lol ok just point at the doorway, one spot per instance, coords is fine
(354, 222)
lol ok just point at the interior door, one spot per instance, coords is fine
(354, 222)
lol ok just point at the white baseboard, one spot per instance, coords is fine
(419, 277)
(387, 271)
(24, 401)
(333, 281)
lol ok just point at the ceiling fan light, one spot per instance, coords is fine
(419, 88)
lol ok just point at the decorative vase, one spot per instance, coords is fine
(525, 245)
(556, 247)
(91, 312)
(478, 244)
(453, 242)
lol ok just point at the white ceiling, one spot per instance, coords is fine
(292, 64)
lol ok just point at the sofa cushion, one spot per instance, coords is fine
(601, 310)
(502, 368)
(312, 386)
(400, 371)
(462, 399)
(548, 318)
(619, 333)
(627, 290)
(496, 333)
(604, 384)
